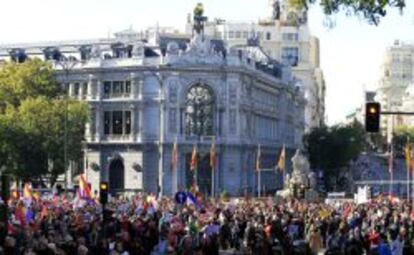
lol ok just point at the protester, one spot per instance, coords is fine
(144, 224)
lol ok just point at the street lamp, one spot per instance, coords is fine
(67, 65)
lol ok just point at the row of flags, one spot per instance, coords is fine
(409, 158)
(281, 161)
(194, 162)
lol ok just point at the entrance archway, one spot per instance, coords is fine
(116, 175)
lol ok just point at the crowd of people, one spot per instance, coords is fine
(146, 225)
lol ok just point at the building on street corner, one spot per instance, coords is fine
(145, 95)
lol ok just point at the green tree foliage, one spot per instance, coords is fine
(26, 80)
(331, 149)
(402, 134)
(371, 10)
(32, 122)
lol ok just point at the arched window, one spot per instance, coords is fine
(199, 117)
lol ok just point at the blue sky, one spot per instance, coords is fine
(351, 52)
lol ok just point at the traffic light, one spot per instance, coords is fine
(103, 193)
(372, 117)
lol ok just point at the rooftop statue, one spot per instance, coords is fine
(199, 19)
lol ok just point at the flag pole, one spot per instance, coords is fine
(212, 182)
(407, 162)
(259, 186)
(390, 168)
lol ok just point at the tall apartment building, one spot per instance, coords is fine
(395, 83)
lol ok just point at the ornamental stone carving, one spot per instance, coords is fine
(173, 48)
(138, 50)
(301, 169)
(199, 51)
(96, 52)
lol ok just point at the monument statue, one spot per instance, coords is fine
(199, 19)
(301, 177)
(301, 169)
(138, 50)
(276, 10)
(96, 52)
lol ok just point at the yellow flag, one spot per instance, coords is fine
(282, 160)
(258, 158)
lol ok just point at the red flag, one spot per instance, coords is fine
(213, 159)
(174, 157)
(193, 164)
(84, 188)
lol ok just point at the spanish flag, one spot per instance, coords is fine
(193, 164)
(27, 191)
(213, 159)
(281, 164)
(258, 158)
(174, 157)
(84, 189)
(408, 159)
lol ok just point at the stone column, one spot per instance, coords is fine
(89, 130)
(71, 91)
(81, 92)
(91, 86)
(98, 121)
(141, 121)
(140, 82)
(133, 135)
(134, 85)
(99, 89)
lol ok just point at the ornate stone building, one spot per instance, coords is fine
(285, 36)
(145, 95)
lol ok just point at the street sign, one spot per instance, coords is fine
(180, 197)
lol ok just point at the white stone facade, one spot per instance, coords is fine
(141, 102)
(286, 38)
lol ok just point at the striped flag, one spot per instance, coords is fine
(27, 191)
(174, 157)
(258, 158)
(281, 164)
(193, 164)
(213, 159)
(84, 189)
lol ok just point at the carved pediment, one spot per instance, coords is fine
(200, 52)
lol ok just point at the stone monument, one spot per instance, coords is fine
(301, 178)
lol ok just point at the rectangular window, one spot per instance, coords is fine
(107, 123)
(290, 56)
(84, 88)
(238, 34)
(245, 34)
(117, 88)
(290, 37)
(117, 123)
(127, 122)
(231, 34)
(107, 87)
(76, 89)
(268, 36)
(127, 87)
